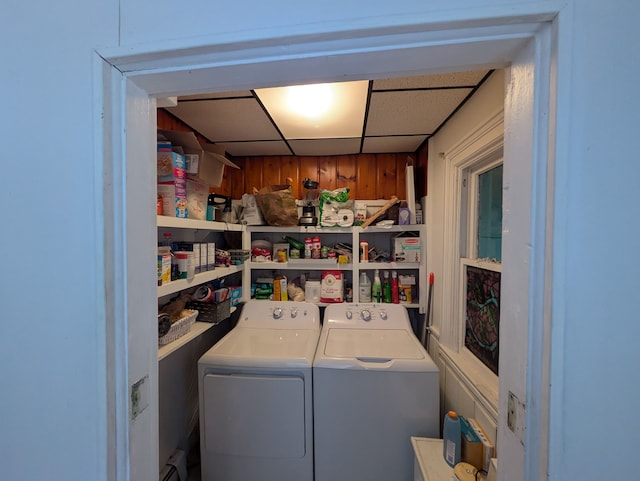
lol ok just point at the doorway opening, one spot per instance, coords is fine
(130, 193)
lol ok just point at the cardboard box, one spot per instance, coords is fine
(171, 167)
(472, 447)
(195, 199)
(235, 294)
(206, 161)
(406, 247)
(197, 193)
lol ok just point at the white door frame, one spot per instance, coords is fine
(130, 77)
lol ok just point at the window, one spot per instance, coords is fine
(480, 260)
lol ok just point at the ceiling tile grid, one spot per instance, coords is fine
(397, 115)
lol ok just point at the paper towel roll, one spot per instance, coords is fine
(345, 217)
(203, 294)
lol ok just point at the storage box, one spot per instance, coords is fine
(197, 194)
(206, 161)
(235, 295)
(210, 311)
(472, 447)
(172, 184)
(170, 167)
(406, 247)
(195, 199)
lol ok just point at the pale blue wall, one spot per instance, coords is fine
(52, 403)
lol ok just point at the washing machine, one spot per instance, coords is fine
(374, 386)
(255, 394)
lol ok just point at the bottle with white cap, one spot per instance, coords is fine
(365, 287)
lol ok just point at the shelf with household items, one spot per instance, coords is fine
(381, 244)
(187, 234)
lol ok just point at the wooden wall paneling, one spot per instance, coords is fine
(235, 179)
(328, 172)
(346, 174)
(252, 174)
(290, 167)
(366, 168)
(387, 176)
(401, 181)
(309, 168)
(422, 163)
(271, 174)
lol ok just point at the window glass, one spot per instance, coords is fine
(490, 214)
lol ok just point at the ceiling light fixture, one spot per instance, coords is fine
(317, 111)
(311, 101)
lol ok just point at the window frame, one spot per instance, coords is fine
(463, 164)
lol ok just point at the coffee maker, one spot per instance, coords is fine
(308, 216)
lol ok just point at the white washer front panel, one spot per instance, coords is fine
(254, 416)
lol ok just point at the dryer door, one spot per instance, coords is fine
(253, 415)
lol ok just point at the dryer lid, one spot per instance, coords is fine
(372, 344)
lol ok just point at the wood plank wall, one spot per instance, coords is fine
(368, 176)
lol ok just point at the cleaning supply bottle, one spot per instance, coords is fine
(211, 205)
(365, 287)
(451, 438)
(395, 293)
(376, 288)
(386, 288)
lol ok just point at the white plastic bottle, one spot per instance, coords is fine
(365, 287)
(451, 439)
(376, 288)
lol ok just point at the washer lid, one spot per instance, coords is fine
(257, 347)
(372, 344)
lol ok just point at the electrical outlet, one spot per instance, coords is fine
(516, 415)
(139, 397)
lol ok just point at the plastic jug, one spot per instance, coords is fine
(451, 439)
(365, 288)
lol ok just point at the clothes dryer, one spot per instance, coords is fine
(374, 387)
(255, 394)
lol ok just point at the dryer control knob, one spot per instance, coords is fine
(383, 315)
(294, 312)
(349, 314)
(277, 313)
(365, 314)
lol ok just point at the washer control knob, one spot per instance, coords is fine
(294, 312)
(365, 314)
(383, 315)
(349, 314)
(277, 313)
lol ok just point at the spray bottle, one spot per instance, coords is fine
(395, 294)
(376, 288)
(386, 288)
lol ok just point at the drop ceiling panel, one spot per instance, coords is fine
(376, 145)
(325, 146)
(227, 120)
(401, 115)
(250, 149)
(340, 109)
(459, 79)
(411, 112)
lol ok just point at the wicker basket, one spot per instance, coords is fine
(179, 328)
(211, 312)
